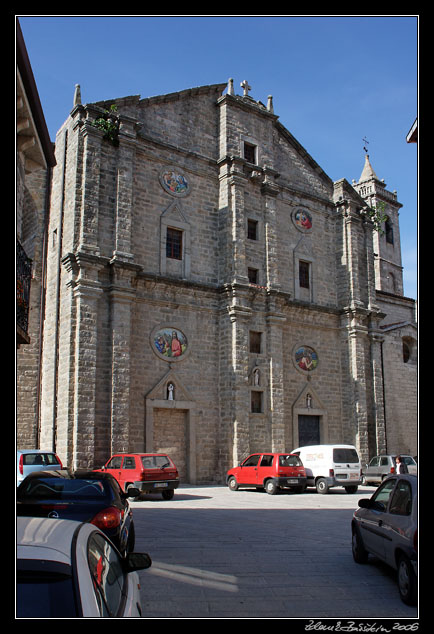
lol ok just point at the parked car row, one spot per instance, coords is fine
(320, 466)
(384, 525)
(76, 535)
(84, 564)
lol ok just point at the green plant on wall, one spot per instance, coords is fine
(109, 124)
(378, 216)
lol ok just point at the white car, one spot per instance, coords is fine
(30, 460)
(385, 526)
(330, 466)
(68, 569)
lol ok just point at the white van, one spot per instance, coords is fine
(331, 466)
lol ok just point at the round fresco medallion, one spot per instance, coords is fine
(169, 343)
(302, 219)
(174, 182)
(305, 358)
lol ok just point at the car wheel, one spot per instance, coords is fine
(360, 555)
(271, 487)
(351, 489)
(407, 582)
(232, 484)
(168, 495)
(322, 486)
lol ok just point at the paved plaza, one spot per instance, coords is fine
(219, 554)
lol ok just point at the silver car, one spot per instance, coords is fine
(382, 466)
(29, 460)
(68, 569)
(385, 526)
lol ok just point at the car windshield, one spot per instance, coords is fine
(39, 459)
(45, 594)
(64, 489)
(290, 461)
(155, 462)
(345, 454)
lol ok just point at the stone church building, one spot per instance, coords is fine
(211, 292)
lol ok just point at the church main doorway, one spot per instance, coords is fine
(308, 430)
(170, 436)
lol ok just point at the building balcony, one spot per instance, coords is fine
(24, 276)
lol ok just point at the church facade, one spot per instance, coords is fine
(211, 292)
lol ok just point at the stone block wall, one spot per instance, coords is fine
(111, 287)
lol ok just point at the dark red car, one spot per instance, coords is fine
(270, 471)
(148, 472)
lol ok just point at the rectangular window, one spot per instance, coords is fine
(252, 229)
(174, 244)
(303, 274)
(256, 402)
(255, 342)
(253, 276)
(250, 152)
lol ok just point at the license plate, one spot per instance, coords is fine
(292, 481)
(160, 485)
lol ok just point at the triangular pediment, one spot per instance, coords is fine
(174, 213)
(308, 399)
(161, 390)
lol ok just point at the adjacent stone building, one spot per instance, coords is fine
(211, 292)
(34, 162)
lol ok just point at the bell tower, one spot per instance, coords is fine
(387, 242)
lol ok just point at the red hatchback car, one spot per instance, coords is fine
(270, 471)
(148, 472)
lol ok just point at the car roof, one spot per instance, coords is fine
(70, 474)
(337, 446)
(46, 538)
(35, 451)
(134, 453)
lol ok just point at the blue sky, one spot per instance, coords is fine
(334, 79)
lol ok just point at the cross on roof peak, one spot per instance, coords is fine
(245, 86)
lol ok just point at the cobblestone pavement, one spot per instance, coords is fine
(219, 554)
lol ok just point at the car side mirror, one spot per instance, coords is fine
(136, 561)
(365, 503)
(132, 492)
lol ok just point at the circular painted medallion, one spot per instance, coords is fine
(169, 343)
(174, 182)
(305, 358)
(302, 219)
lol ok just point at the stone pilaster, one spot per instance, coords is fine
(233, 379)
(124, 189)
(270, 191)
(237, 183)
(357, 344)
(87, 294)
(88, 238)
(379, 441)
(122, 294)
(275, 349)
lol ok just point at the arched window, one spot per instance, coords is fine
(405, 352)
(409, 350)
(388, 227)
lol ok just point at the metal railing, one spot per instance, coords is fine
(24, 276)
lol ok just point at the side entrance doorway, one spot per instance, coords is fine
(308, 430)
